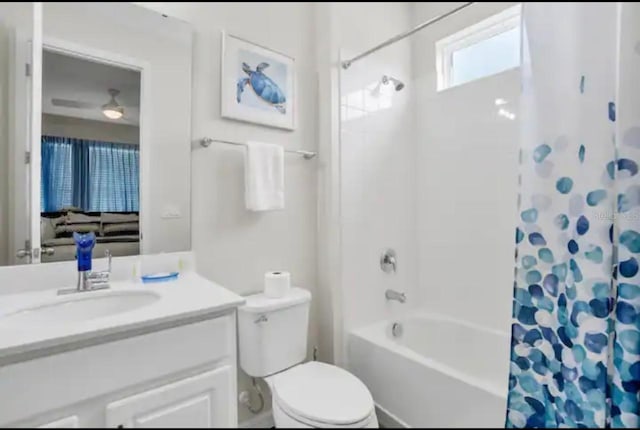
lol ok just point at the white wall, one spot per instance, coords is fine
(165, 45)
(5, 65)
(377, 168)
(16, 26)
(467, 186)
(329, 295)
(235, 247)
(65, 126)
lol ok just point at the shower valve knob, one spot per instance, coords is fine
(388, 261)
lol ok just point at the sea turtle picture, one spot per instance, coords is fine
(263, 86)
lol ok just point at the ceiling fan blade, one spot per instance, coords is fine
(72, 104)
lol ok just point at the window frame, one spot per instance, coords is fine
(494, 25)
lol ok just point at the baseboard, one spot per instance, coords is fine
(388, 420)
(263, 420)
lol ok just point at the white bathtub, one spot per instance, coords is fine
(440, 373)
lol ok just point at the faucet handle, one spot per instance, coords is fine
(388, 262)
(107, 254)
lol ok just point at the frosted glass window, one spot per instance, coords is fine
(488, 47)
(487, 57)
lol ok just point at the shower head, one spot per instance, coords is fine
(397, 84)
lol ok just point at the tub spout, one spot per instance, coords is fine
(395, 295)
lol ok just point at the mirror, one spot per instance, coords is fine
(115, 130)
(90, 155)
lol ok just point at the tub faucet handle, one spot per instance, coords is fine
(388, 261)
(107, 253)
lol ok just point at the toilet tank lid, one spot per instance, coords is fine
(259, 303)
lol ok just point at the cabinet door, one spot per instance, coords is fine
(64, 423)
(197, 402)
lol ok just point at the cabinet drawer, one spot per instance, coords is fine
(33, 387)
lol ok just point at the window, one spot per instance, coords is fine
(483, 49)
(89, 175)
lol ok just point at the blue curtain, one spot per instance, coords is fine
(57, 190)
(91, 175)
(113, 177)
(575, 338)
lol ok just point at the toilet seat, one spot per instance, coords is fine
(282, 419)
(322, 395)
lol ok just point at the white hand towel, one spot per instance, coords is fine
(264, 176)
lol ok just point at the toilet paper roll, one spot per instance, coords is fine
(276, 284)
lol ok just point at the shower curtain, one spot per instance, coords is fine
(575, 344)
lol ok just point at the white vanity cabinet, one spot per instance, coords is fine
(179, 373)
(201, 401)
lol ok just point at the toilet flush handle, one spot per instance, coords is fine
(261, 319)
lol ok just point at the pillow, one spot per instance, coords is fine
(112, 218)
(80, 218)
(128, 227)
(66, 230)
(54, 220)
(48, 227)
(59, 241)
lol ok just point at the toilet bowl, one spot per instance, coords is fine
(320, 395)
(272, 342)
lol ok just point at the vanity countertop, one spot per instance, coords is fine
(188, 298)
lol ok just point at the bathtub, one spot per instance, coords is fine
(439, 372)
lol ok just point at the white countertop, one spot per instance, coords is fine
(188, 297)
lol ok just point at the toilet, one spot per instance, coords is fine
(272, 339)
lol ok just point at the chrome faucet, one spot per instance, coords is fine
(395, 295)
(91, 281)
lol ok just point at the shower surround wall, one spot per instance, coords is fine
(377, 169)
(467, 157)
(431, 174)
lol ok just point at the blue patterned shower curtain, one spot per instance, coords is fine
(575, 347)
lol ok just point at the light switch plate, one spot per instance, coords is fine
(171, 212)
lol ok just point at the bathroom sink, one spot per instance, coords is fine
(79, 307)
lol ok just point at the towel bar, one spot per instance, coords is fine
(308, 155)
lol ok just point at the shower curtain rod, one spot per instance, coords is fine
(346, 64)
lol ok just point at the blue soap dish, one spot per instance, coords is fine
(160, 277)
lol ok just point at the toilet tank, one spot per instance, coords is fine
(272, 333)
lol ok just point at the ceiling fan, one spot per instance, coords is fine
(112, 109)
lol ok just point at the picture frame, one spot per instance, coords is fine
(258, 84)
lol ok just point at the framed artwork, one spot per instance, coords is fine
(258, 84)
